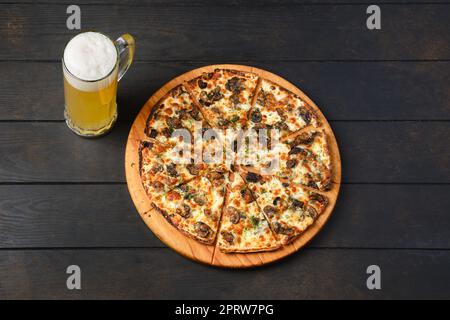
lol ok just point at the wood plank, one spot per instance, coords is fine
(231, 33)
(372, 152)
(71, 216)
(343, 90)
(207, 3)
(366, 216)
(162, 274)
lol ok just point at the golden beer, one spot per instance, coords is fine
(90, 111)
(92, 66)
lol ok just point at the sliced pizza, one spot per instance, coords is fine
(306, 160)
(174, 117)
(303, 159)
(195, 207)
(159, 170)
(278, 108)
(244, 227)
(224, 96)
(290, 208)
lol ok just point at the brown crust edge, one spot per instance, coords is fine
(167, 217)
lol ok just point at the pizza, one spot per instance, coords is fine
(271, 176)
(224, 96)
(195, 207)
(303, 159)
(276, 107)
(244, 227)
(290, 208)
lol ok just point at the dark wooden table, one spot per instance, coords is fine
(64, 199)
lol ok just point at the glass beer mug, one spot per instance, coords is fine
(92, 66)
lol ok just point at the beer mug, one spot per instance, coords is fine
(92, 66)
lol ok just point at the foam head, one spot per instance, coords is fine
(90, 56)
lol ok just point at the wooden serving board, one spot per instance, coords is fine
(188, 247)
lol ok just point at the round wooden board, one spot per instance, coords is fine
(190, 248)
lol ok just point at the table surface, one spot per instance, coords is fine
(64, 199)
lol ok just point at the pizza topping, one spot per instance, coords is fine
(193, 169)
(291, 163)
(156, 168)
(234, 98)
(270, 210)
(252, 177)
(318, 197)
(312, 184)
(305, 115)
(153, 133)
(173, 195)
(147, 144)
(200, 199)
(296, 204)
(227, 236)
(223, 122)
(281, 114)
(304, 138)
(209, 214)
(279, 228)
(158, 185)
(247, 195)
(235, 85)
(184, 211)
(202, 84)
(256, 116)
(234, 214)
(276, 201)
(326, 186)
(298, 150)
(311, 212)
(171, 170)
(195, 114)
(214, 95)
(203, 229)
(217, 178)
(255, 221)
(167, 132)
(173, 122)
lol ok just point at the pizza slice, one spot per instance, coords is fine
(306, 160)
(290, 208)
(244, 227)
(303, 159)
(159, 170)
(195, 207)
(278, 108)
(175, 111)
(225, 96)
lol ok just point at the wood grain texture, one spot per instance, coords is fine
(344, 90)
(227, 3)
(162, 274)
(90, 216)
(372, 152)
(235, 33)
(189, 247)
(384, 177)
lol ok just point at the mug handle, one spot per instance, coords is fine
(125, 45)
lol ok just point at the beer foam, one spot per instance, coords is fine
(90, 56)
